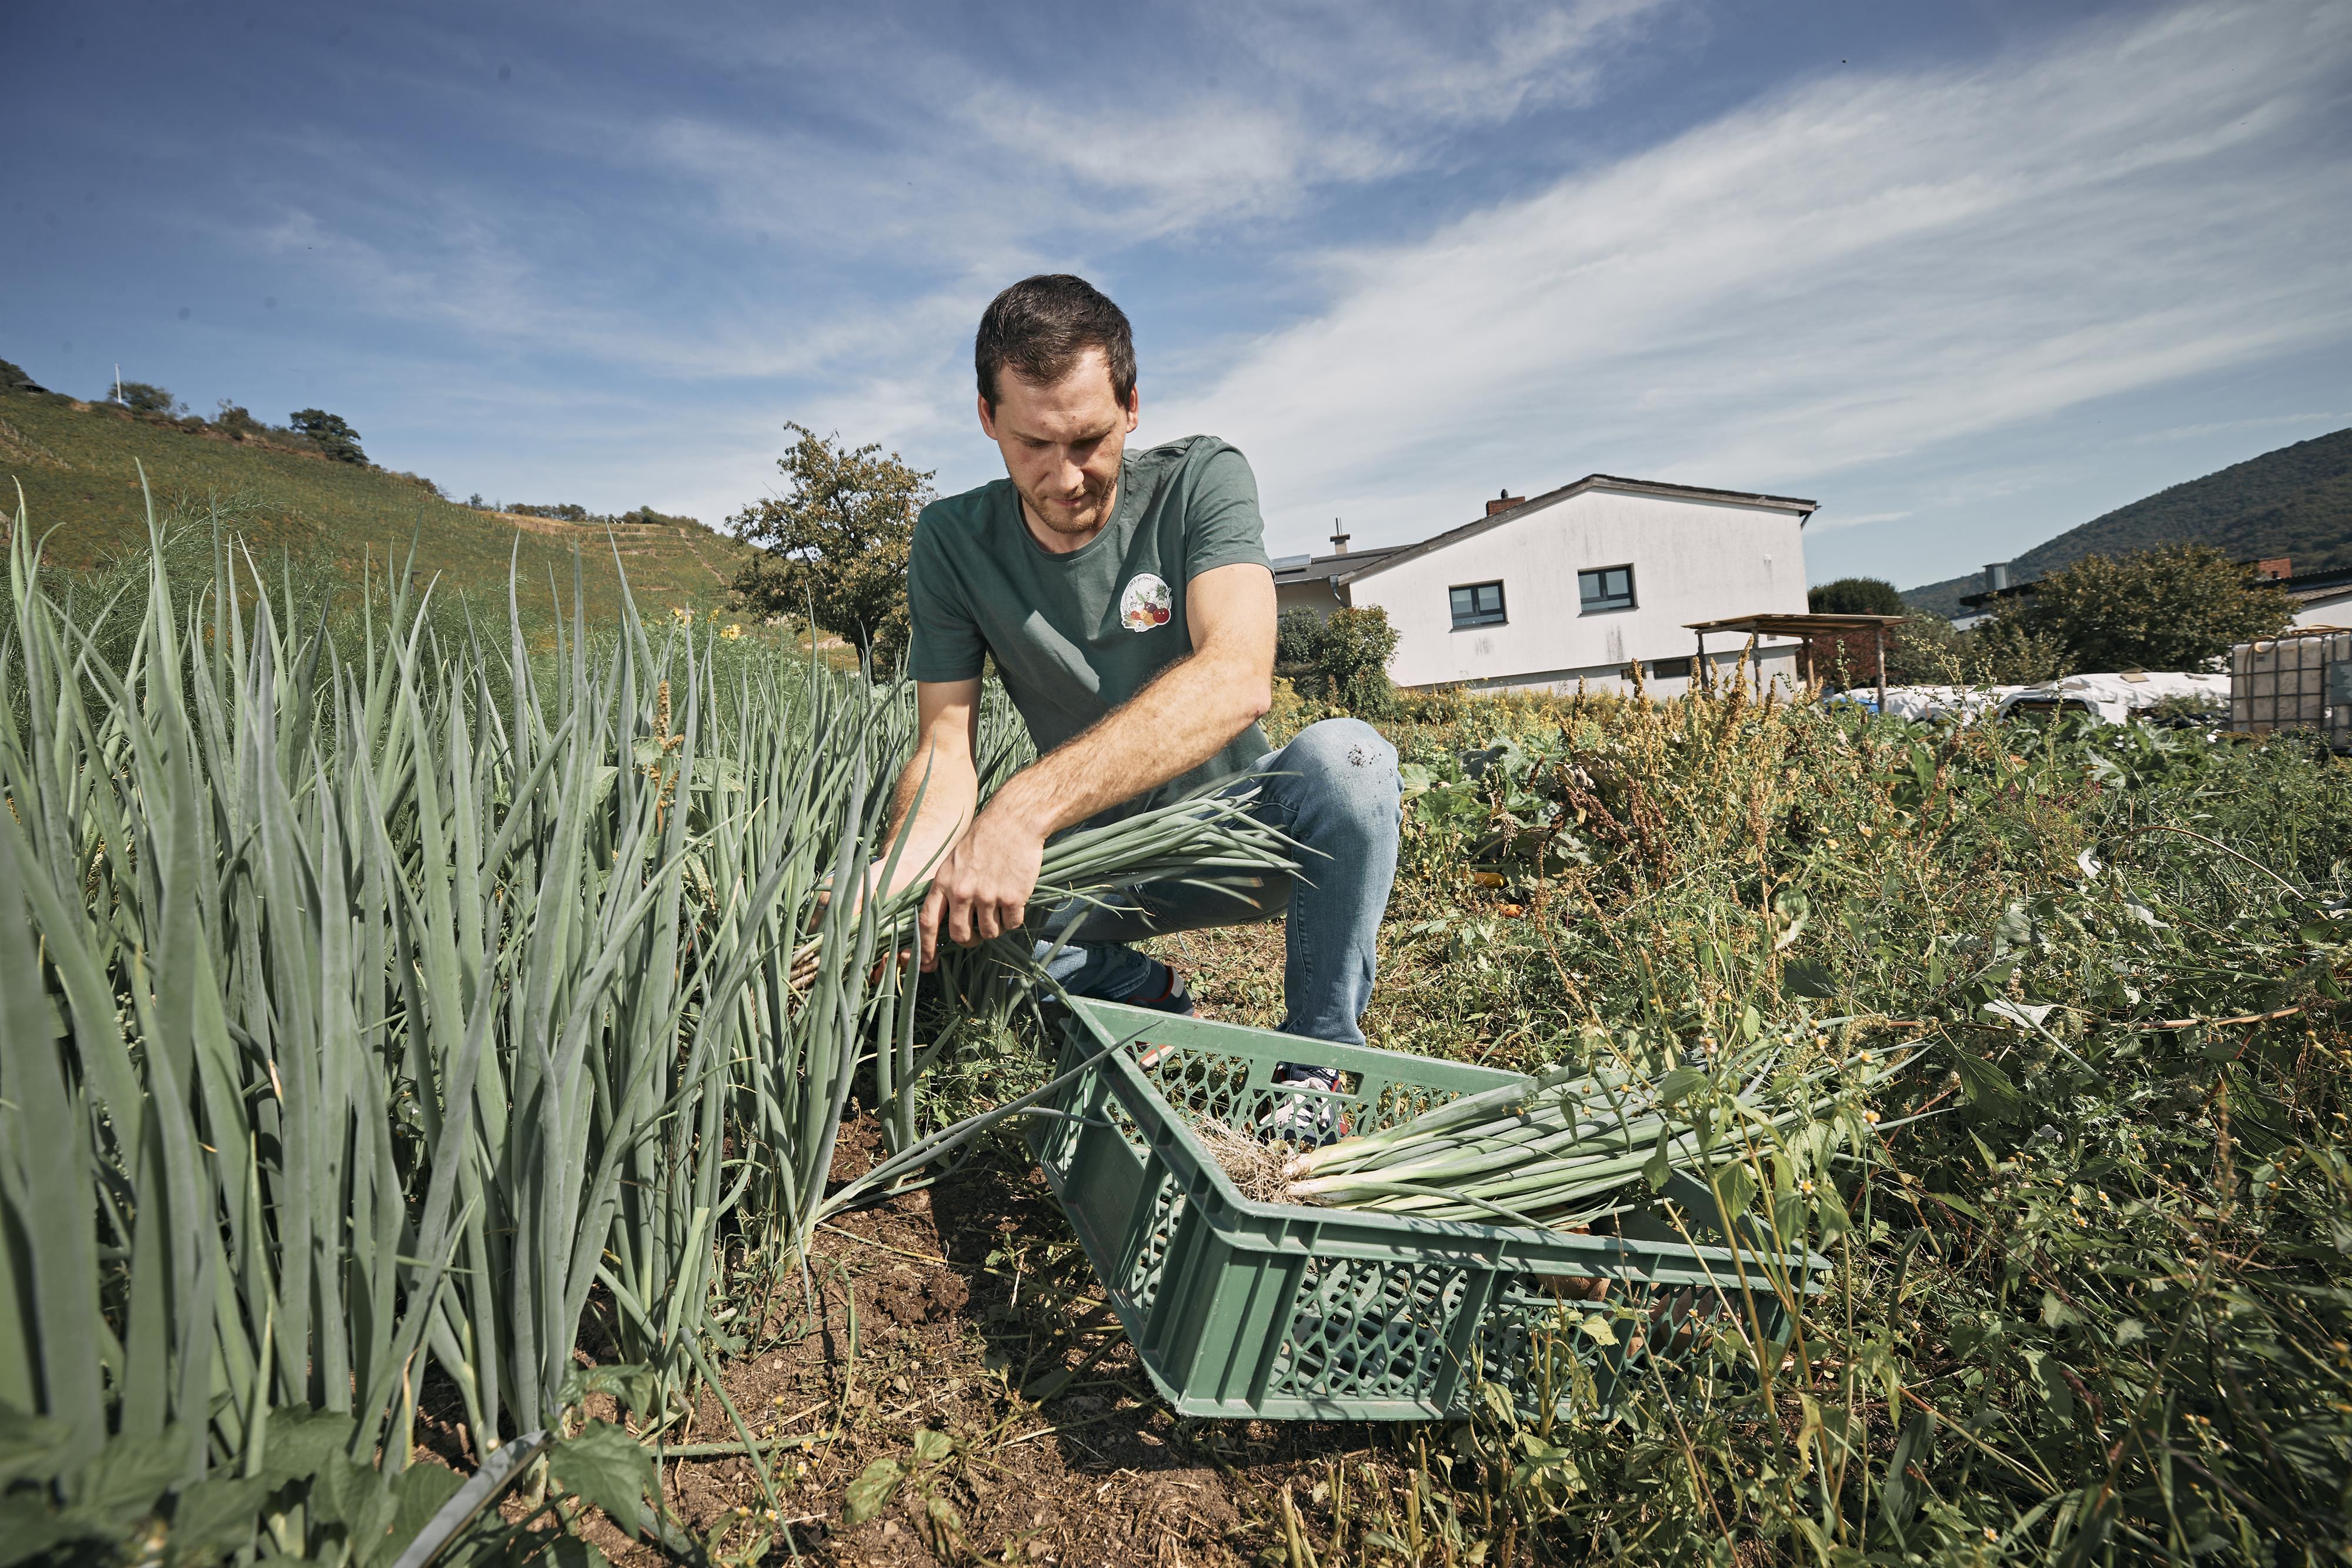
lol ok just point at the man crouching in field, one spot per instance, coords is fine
(1126, 601)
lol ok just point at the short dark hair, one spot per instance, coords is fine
(1040, 325)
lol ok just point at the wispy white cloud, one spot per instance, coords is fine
(1829, 519)
(2301, 420)
(1842, 275)
(802, 214)
(909, 181)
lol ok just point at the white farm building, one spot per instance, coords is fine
(1578, 584)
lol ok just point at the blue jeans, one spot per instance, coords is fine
(1333, 789)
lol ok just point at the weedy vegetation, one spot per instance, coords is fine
(2089, 1296)
(390, 1011)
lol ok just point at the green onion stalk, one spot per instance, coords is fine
(1559, 1150)
(374, 995)
(1204, 834)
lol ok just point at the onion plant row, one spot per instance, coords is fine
(367, 1008)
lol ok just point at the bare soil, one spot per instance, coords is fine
(939, 1308)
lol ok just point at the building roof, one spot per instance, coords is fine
(2310, 585)
(2303, 586)
(1307, 568)
(1397, 555)
(1994, 595)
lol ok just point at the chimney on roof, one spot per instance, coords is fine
(1996, 577)
(1504, 502)
(1340, 539)
(2273, 570)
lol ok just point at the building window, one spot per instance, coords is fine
(1670, 669)
(1611, 588)
(1479, 604)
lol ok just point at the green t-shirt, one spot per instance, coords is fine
(1076, 635)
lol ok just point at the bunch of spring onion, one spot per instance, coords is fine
(1196, 838)
(1202, 835)
(1559, 1149)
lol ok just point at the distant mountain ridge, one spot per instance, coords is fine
(2294, 502)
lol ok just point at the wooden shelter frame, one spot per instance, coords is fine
(1805, 626)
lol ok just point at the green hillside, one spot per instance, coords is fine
(2294, 502)
(78, 464)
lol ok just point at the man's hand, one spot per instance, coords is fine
(981, 890)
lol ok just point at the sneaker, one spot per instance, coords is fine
(1171, 997)
(1303, 1119)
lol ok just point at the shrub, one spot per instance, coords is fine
(329, 434)
(142, 397)
(648, 517)
(238, 421)
(1296, 635)
(1340, 660)
(1855, 596)
(2178, 607)
(836, 542)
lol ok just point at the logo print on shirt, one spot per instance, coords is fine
(1145, 602)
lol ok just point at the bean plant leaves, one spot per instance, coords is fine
(28, 1444)
(607, 1467)
(1985, 1085)
(424, 1488)
(1806, 978)
(129, 1474)
(29, 1527)
(301, 1440)
(218, 1514)
(634, 1386)
(871, 1492)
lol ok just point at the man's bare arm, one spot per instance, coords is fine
(943, 772)
(1187, 714)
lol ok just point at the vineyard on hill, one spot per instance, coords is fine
(79, 466)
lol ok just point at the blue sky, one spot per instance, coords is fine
(1966, 273)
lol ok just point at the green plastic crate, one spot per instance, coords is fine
(1294, 1312)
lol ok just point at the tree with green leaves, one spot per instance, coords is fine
(1855, 596)
(1341, 658)
(144, 397)
(2005, 652)
(2178, 607)
(1354, 656)
(329, 434)
(1298, 632)
(835, 545)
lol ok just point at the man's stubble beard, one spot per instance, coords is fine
(1099, 514)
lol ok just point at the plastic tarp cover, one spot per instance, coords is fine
(2115, 697)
